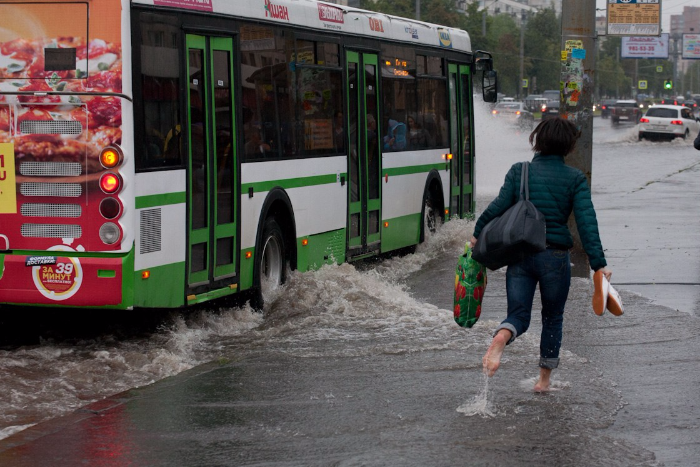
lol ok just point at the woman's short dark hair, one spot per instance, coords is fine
(554, 136)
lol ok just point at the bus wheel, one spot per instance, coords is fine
(432, 218)
(271, 262)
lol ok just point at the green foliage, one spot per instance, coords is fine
(542, 51)
(611, 79)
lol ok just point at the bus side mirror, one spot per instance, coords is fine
(489, 85)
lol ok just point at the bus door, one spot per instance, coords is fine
(364, 154)
(212, 201)
(461, 141)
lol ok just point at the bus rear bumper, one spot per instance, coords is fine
(48, 280)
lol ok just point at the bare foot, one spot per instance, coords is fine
(492, 359)
(542, 385)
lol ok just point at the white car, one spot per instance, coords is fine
(668, 120)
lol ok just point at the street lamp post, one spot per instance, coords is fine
(523, 19)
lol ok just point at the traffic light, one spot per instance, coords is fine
(668, 84)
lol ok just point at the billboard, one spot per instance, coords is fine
(645, 46)
(634, 17)
(691, 46)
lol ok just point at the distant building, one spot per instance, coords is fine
(687, 23)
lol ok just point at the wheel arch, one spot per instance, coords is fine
(432, 192)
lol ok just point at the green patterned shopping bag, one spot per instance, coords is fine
(470, 284)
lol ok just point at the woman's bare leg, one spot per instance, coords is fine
(492, 359)
(542, 384)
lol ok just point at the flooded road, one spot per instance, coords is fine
(381, 335)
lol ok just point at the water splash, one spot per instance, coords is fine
(480, 404)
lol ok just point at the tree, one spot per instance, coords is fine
(473, 21)
(542, 50)
(404, 8)
(611, 79)
(505, 34)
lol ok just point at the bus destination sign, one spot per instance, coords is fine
(634, 17)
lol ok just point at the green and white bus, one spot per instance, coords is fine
(163, 153)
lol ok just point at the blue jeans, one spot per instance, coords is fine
(552, 270)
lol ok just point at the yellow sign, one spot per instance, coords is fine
(573, 44)
(8, 187)
(642, 84)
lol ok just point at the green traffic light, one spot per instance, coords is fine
(668, 84)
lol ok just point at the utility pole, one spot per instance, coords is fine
(577, 81)
(417, 10)
(522, 52)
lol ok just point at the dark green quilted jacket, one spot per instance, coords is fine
(556, 189)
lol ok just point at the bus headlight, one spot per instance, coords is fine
(109, 233)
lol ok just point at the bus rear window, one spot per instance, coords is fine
(40, 39)
(161, 142)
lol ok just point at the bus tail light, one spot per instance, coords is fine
(110, 208)
(111, 156)
(109, 233)
(110, 183)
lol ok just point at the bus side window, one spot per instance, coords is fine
(319, 94)
(266, 83)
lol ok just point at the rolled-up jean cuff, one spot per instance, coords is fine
(549, 363)
(509, 327)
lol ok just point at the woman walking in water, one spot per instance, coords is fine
(556, 190)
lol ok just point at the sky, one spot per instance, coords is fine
(668, 8)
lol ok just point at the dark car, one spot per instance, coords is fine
(625, 111)
(550, 109)
(606, 107)
(692, 104)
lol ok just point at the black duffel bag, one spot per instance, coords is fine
(518, 232)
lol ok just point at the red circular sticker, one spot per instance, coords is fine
(60, 280)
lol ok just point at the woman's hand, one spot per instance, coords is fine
(472, 242)
(606, 272)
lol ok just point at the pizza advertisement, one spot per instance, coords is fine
(60, 80)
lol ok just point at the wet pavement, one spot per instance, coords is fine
(636, 405)
(393, 381)
(402, 409)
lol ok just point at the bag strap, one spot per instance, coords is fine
(524, 175)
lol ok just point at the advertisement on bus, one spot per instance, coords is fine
(60, 108)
